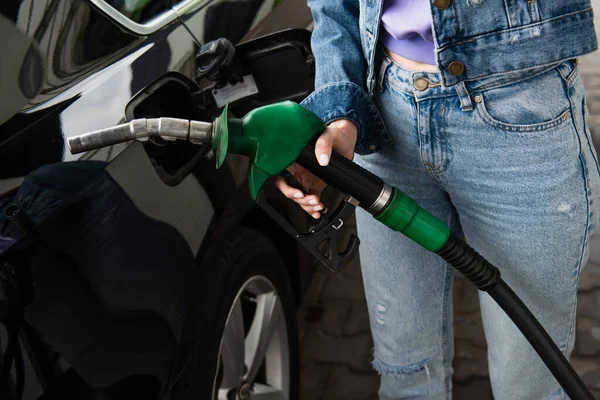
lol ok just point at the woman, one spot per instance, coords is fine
(476, 110)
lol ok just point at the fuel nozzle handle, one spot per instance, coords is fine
(388, 205)
(348, 177)
(165, 128)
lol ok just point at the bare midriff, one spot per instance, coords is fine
(410, 64)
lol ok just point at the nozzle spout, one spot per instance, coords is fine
(165, 128)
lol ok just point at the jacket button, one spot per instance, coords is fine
(372, 147)
(442, 4)
(421, 84)
(456, 68)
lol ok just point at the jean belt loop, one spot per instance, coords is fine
(385, 63)
(463, 95)
(565, 68)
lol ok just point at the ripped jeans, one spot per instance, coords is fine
(508, 163)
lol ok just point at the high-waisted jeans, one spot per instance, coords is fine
(508, 163)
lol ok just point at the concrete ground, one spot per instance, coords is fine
(334, 328)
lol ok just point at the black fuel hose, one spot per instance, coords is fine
(487, 278)
(540, 341)
(366, 187)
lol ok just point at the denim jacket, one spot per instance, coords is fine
(473, 39)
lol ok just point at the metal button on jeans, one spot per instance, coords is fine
(442, 4)
(421, 84)
(456, 68)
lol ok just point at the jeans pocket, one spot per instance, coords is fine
(531, 105)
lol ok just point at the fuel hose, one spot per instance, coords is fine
(401, 213)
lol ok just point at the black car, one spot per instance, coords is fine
(140, 271)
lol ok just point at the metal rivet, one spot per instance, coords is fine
(456, 68)
(421, 84)
(372, 147)
(477, 99)
(442, 4)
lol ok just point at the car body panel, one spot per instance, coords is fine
(95, 64)
(185, 206)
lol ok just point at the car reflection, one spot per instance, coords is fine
(110, 283)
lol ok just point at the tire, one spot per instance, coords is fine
(244, 275)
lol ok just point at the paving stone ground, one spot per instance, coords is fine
(336, 344)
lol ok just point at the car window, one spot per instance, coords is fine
(139, 11)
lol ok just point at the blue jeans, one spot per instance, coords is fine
(507, 162)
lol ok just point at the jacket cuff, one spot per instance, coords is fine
(346, 100)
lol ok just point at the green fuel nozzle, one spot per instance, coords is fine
(275, 136)
(272, 136)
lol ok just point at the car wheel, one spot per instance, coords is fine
(247, 345)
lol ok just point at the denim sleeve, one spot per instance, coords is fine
(340, 91)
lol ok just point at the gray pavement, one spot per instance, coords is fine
(336, 343)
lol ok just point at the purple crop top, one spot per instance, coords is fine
(407, 29)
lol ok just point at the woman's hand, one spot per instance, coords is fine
(340, 136)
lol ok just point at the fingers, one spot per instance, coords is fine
(312, 209)
(309, 202)
(325, 144)
(287, 190)
(340, 135)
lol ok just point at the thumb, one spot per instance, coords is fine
(324, 145)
